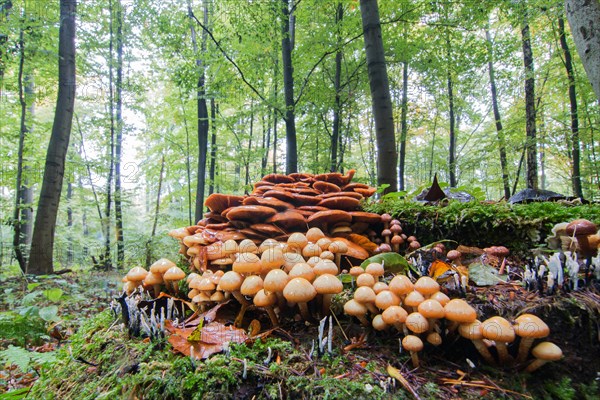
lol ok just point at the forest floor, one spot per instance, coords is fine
(77, 347)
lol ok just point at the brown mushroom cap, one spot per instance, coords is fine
(174, 274)
(161, 266)
(326, 187)
(325, 267)
(250, 213)
(385, 299)
(297, 240)
(401, 285)
(547, 351)
(412, 343)
(251, 285)
(288, 220)
(416, 322)
(136, 274)
(581, 227)
(460, 311)
(275, 280)
(529, 325)
(271, 258)
(413, 299)
(328, 284)
(247, 263)
(498, 329)
(302, 270)
(431, 309)
(375, 269)
(299, 290)
(263, 298)
(322, 218)
(230, 281)
(440, 297)
(365, 279)
(394, 315)
(272, 202)
(362, 216)
(426, 286)
(217, 202)
(314, 234)
(453, 255)
(471, 330)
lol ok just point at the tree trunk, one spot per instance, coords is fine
(530, 113)
(335, 131)
(249, 153)
(187, 160)
(584, 19)
(380, 96)
(149, 255)
(497, 119)
(291, 163)
(275, 121)
(107, 258)
(119, 139)
(40, 261)
(266, 142)
(403, 125)
(213, 146)
(575, 153)
(69, 222)
(452, 145)
(22, 237)
(202, 112)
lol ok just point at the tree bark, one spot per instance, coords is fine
(213, 146)
(584, 19)
(575, 151)
(380, 96)
(202, 114)
(291, 163)
(403, 125)
(530, 112)
(452, 145)
(20, 240)
(119, 139)
(497, 119)
(149, 255)
(40, 261)
(335, 130)
(106, 222)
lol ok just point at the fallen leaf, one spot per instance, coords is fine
(396, 374)
(363, 242)
(392, 262)
(212, 339)
(485, 275)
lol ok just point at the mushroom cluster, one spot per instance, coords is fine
(419, 310)
(162, 272)
(279, 206)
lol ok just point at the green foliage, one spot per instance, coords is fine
(23, 327)
(24, 359)
(520, 227)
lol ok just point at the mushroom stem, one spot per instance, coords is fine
(304, 311)
(240, 316)
(281, 303)
(326, 304)
(272, 315)
(535, 364)
(483, 351)
(156, 289)
(363, 320)
(414, 355)
(503, 355)
(241, 299)
(338, 260)
(524, 347)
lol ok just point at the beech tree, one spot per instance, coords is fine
(42, 246)
(380, 95)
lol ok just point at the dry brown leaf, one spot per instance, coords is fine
(363, 242)
(213, 338)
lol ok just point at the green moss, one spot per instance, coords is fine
(520, 226)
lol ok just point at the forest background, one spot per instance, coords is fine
(176, 100)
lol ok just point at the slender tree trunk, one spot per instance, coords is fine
(575, 152)
(452, 146)
(202, 111)
(335, 131)
(266, 143)
(497, 119)
(119, 139)
(275, 119)
(107, 258)
(249, 153)
(149, 254)
(40, 261)
(530, 113)
(380, 96)
(187, 160)
(213, 146)
(20, 188)
(69, 222)
(403, 125)
(584, 19)
(291, 163)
